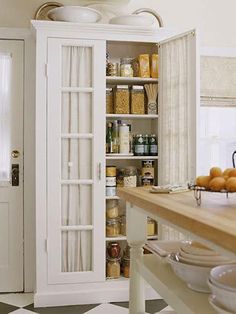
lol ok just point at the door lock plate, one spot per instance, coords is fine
(15, 171)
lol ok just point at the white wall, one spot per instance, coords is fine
(214, 18)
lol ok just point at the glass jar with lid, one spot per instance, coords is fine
(120, 177)
(126, 266)
(130, 179)
(112, 209)
(113, 250)
(151, 227)
(113, 268)
(126, 68)
(113, 227)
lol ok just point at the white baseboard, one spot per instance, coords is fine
(87, 297)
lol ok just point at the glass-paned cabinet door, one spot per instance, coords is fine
(75, 160)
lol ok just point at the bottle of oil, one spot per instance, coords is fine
(109, 139)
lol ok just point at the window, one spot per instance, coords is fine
(217, 137)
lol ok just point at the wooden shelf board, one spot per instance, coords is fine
(131, 116)
(173, 290)
(124, 238)
(130, 80)
(131, 157)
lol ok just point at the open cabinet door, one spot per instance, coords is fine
(178, 103)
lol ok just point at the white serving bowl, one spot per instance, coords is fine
(76, 14)
(225, 298)
(224, 276)
(207, 258)
(194, 276)
(219, 309)
(132, 19)
(200, 262)
(196, 248)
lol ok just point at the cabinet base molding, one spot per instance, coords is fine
(88, 297)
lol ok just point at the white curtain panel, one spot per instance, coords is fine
(174, 111)
(5, 118)
(76, 159)
(174, 123)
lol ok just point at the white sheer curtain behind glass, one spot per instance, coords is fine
(175, 112)
(5, 118)
(76, 159)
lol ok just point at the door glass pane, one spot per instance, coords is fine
(76, 113)
(76, 204)
(5, 117)
(76, 159)
(76, 251)
(76, 66)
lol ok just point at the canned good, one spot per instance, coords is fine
(110, 171)
(124, 138)
(148, 172)
(110, 191)
(110, 181)
(138, 145)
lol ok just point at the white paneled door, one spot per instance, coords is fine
(11, 165)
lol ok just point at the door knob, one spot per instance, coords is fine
(15, 154)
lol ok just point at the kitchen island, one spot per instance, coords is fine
(213, 223)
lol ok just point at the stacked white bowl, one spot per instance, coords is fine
(222, 282)
(193, 264)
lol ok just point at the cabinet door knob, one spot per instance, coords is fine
(15, 154)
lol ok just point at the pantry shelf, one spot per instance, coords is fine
(132, 116)
(124, 238)
(130, 80)
(131, 157)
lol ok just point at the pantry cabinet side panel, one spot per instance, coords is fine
(178, 102)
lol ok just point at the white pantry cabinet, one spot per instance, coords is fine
(70, 150)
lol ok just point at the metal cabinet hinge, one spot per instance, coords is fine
(46, 69)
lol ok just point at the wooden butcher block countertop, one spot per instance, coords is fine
(214, 220)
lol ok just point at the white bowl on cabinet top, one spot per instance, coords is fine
(196, 248)
(200, 262)
(225, 298)
(75, 14)
(131, 19)
(224, 276)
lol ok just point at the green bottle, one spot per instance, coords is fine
(109, 139)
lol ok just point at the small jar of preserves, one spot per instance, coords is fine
(113, 268)
(123, 225)
(113, 250)
(113, 227)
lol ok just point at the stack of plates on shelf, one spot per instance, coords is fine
(193, 263)
(163, 248)
(222, 282)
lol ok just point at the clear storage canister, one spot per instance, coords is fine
(109, 100)
(113, 227)
(130, 179)
(121, 99)
(151, 227)
(112, 209)
(137, 100)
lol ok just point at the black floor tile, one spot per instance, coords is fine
(73, 309)
(152, 306)
(6, 308)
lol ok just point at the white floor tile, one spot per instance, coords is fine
(17, 299)
(108, 309)
(22, 311)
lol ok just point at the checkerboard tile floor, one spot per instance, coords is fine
(22, 303)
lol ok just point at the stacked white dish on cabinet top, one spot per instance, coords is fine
(222, 282)
(193, 263)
